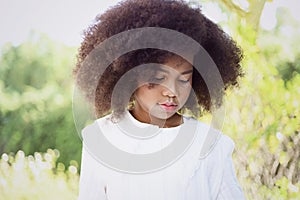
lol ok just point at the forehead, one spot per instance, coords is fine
(176, 63)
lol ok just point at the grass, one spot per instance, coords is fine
(36, 177)
(39, 176)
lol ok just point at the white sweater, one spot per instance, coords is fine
(204, 170)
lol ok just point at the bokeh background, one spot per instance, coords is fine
(39, 145)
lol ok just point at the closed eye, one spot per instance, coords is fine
(184, 81)
(158, 79)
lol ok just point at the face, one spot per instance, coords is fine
(158, 102)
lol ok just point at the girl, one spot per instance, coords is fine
(143, 145)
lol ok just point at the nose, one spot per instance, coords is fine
(168, 93)
(169, 90)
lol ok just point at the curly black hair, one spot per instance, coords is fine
(170, 14)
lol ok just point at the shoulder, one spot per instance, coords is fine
(224, 147)
(211, 140)
(222, 150)
(226, 143)
(96, 124)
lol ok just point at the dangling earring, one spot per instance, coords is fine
(131, 103)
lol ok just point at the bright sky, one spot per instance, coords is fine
(65, 20)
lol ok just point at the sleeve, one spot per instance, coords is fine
(91, 187)
(230, 189)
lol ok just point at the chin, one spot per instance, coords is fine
(163, 116)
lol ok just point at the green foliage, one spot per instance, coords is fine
(36, 177)
(288, 70)
(262, 116)
(36, 93)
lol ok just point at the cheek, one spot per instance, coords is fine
(185, 93)
(145, 93)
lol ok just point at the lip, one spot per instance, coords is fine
(168, 107)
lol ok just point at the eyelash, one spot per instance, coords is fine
(159, 79)
(185, 81)
(162, 78)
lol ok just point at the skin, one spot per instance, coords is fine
(157, 102)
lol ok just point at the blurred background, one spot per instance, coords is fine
(39, 145)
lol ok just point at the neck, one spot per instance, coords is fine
(172, 121)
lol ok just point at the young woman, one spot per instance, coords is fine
(143, 145)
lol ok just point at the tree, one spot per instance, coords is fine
(251, 14)
(262, 115)
(36, 93)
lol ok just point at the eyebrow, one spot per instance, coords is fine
(187, 72)
(183, 73)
